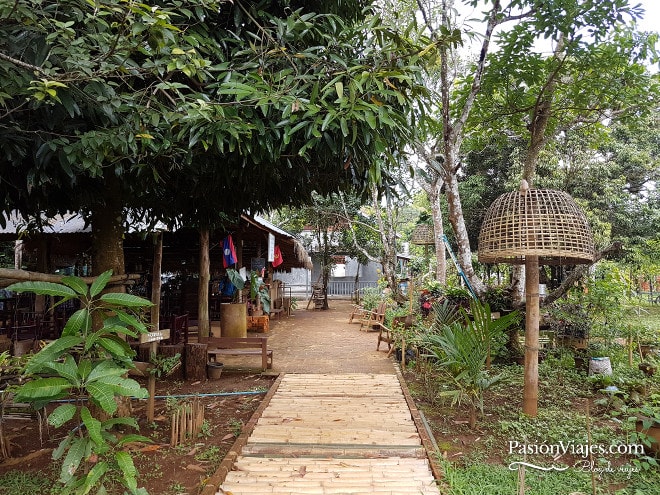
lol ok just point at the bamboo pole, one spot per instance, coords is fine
(531, 378)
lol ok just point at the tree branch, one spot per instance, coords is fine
(22, 64)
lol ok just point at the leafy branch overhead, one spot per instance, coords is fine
(194, 97)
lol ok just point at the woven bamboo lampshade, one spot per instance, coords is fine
(534, 226)
(422, 235)
(535, 222)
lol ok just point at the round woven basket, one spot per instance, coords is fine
(422, 235)
(535, 222)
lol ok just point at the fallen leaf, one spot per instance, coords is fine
(150, 448)
(302, 471)
(195, 467)
(227, 437)
(193, 451)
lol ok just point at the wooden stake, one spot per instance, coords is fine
(531, 379)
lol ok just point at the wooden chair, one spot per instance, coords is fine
(374, 319)
(179, 329)
(358, 313)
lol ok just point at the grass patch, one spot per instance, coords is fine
(21, 483)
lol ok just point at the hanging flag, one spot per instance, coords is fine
(277, 257)
(228, 252)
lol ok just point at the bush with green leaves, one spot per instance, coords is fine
(463, 349)
(87, 366)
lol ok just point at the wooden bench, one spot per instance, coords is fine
(239, 346)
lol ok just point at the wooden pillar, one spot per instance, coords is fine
(203, 323)
(531, 379)
(155, 280)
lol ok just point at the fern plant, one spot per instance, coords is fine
(87, 365)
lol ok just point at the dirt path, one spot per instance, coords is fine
(322, 341)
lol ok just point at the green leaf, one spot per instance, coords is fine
(127, 300)
(103, 395)
(93, 426)
(127, 439)
(62, 414)
(73, 459)
(78, 322)
(93, 477)
(339, 87)
(125, 463)
(103, 369)
(76, 284)
(43, 389)
(115, 346)
(126, 387)
(62, 447)
(52, 352)
(44, 288)
(99, 284)
(67, 370)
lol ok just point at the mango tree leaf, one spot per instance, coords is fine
(76, 284)
(127, 439)
(79, 322)
(52, 352)
(67, 370)
(102, 395)
(93, 477)
(62, 447)
(112, 422)
(128, 319)
(126, 387)
(44, 288)
(62, 414)
(115, 346)
(99, 284)
(44, 389)
(93, 426)
(125, 463)
(84, 369)
(103, 369)
(127, 300)
(73, 459)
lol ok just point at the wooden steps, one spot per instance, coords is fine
(334, 434)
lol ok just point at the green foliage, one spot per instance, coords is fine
(88, 364)
(463, 349)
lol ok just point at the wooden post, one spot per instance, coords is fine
(531, 379)
(196, 358)
(155, 281)
(151, 386)
(204, 326)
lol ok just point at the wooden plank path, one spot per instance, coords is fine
(333, 434)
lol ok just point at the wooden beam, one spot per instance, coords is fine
(7, 274)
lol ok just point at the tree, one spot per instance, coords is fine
(183, 110)
(545, 94)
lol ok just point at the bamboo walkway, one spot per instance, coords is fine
(333, 434)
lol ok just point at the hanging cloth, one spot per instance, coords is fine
(228, 252)
(277, 257)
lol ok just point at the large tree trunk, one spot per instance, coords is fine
(204, 326)
(439, 232)
(460, 231)
(388, 239)
(108, 231)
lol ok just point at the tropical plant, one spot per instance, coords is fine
(87, 366)
(463, 349)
